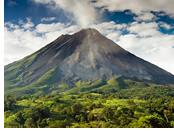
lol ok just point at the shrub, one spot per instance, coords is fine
(57, 124)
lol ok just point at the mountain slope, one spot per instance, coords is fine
(85, 55)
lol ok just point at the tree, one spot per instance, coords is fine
(9, 102)
(107, 112)
(77, 117)
(90, 117)
(151, 122)
(91, 106)
(37, 112)
(36, 96)
(167, 114)
(99, 104)
(172, 124)
(123, 120)
(45, 122)
(57, 124)
(117, 114)
(99, 116)
(75, 109)
(106, 125)
(72, 97)
(130, 112)
(82, 119)
(30, 123)
(7, 113)
(34, 99)
(66, 111)
(61, 107)
(56, 99)
(19, 117)
(132, 105)
(171, 105)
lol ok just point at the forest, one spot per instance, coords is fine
(150, 107)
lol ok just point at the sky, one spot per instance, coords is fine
(142, 27)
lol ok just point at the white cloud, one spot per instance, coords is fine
(165, 25)
(85, 14)
(42, 28)
(48, 19)
(83, 11)
(20, 42)
(144, 29)
(26, 25)
(66, 30)
(108, 27)
(155, 49)
(137, 6)
(10, 25)
(145, 16)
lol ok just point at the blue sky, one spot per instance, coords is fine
(143, 27)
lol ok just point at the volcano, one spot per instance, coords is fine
(85, 55)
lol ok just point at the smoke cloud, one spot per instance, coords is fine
(83, 11)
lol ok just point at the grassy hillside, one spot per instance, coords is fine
(39, 87)
(118, 85)
(15, 72)
(111, 86)
(84, 86)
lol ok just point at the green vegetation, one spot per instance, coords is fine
(39, 87)
(84, 86)
(129, 104)
(46, 79)
(15, 76)
(14, 73)
(115, 103)
(14, 69)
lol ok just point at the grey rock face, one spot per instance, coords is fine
(88, 55)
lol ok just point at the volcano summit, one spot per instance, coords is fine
(85, 55)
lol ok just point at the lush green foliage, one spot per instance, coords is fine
(9, 102)
(90, 110)
(119, 102)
